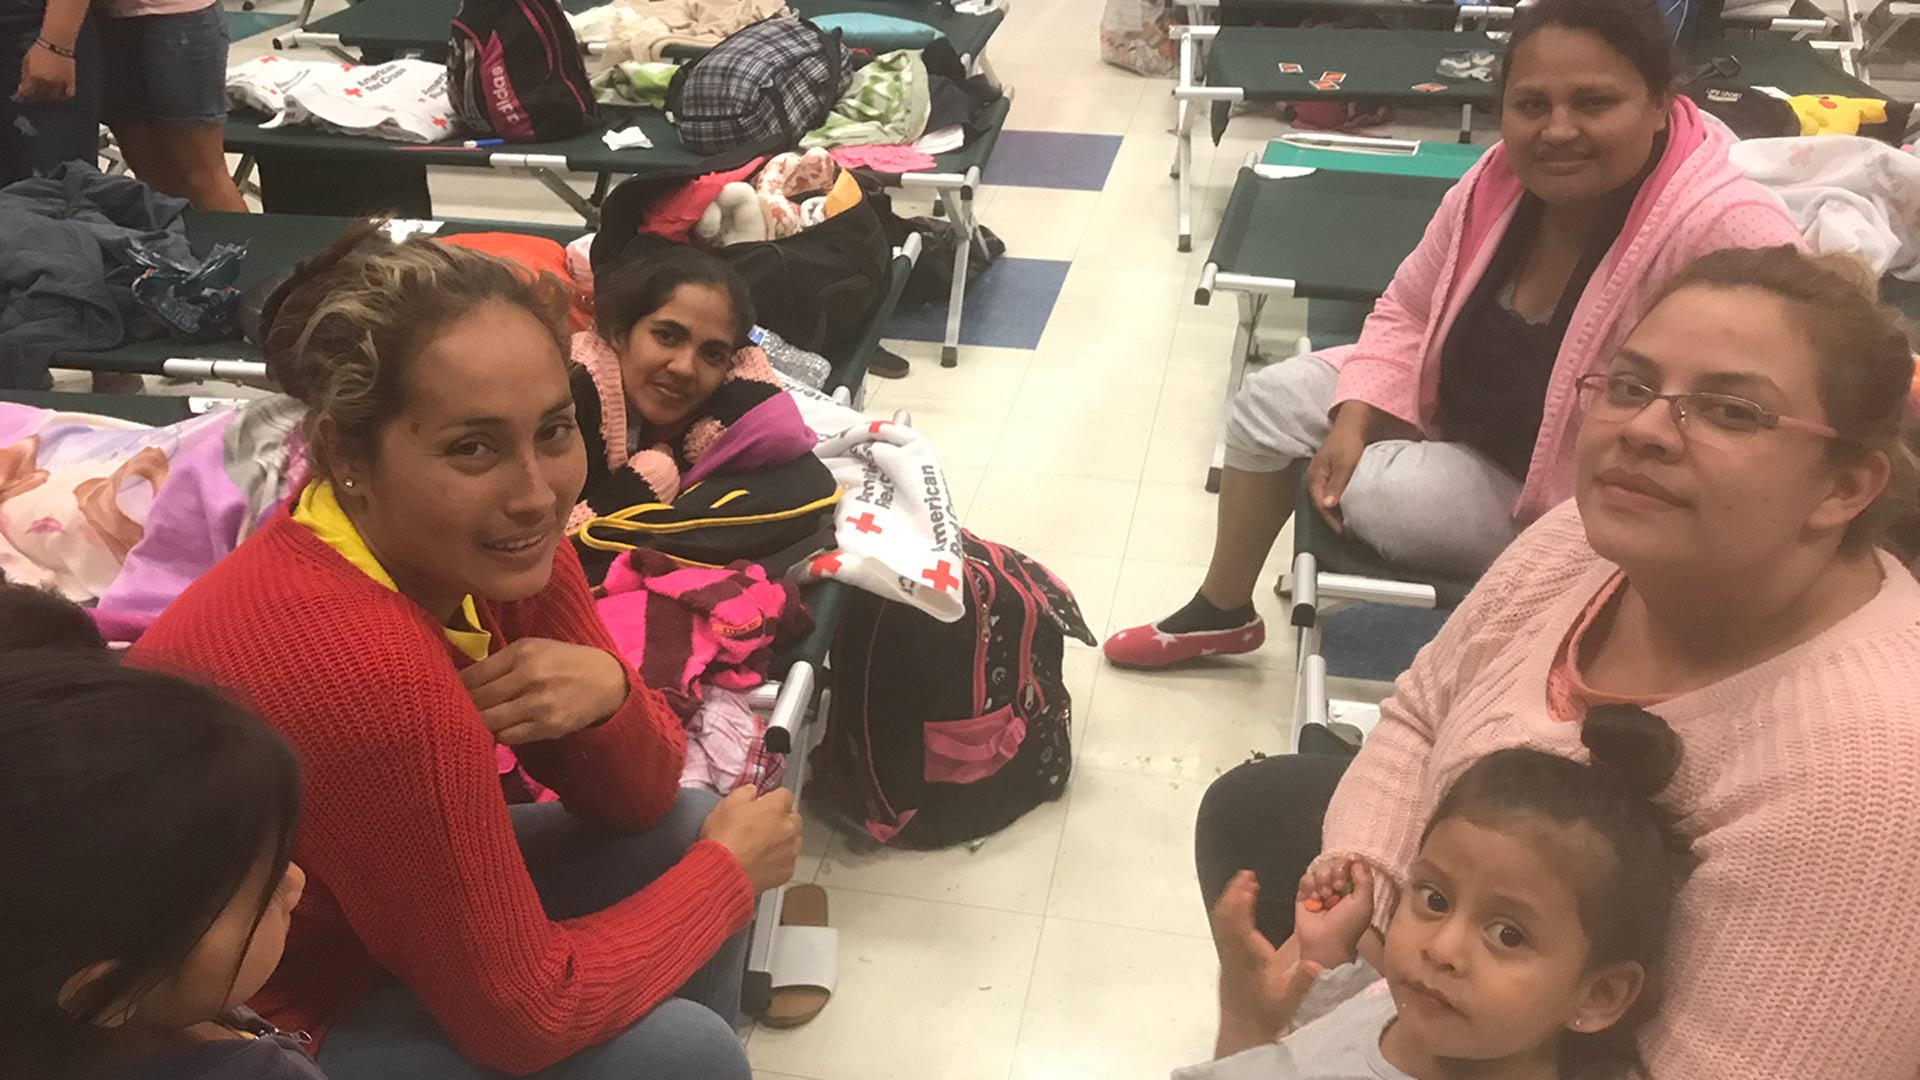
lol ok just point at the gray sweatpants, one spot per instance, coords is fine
(1441, 507)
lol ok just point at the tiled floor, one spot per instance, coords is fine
(1071, 945)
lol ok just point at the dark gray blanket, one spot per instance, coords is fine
(64, 268)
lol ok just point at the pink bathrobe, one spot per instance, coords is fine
(1694, 202)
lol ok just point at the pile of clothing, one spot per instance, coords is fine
(1847, 193)
(903, 107)
(69, 262)
(646, 29)
(704, 637)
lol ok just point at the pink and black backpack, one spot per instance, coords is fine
(943, 732)
(514, 69)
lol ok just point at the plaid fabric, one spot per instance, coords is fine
(764, 87)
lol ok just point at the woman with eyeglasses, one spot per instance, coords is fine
(1742, 457)
(1448, 426)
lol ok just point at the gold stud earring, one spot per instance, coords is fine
(347, 483)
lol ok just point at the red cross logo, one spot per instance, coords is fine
(825, 564)
(352, 91)
(874, 428)
(865, 523)
(941, 576)
(439, 121)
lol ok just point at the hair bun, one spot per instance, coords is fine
(290, 304)
(1634, 745)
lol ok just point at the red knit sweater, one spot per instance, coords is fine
(411, 861)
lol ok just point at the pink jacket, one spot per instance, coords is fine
(1795, 949)
(1695, 202)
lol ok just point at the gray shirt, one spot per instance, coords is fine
(1343, 1044)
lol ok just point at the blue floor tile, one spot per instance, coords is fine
(1007, 307)
(245, 24)
(1376, 641)
(1052, 159)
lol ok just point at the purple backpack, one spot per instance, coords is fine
(514, 69)
(943, 732)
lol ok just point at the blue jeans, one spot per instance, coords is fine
(168, 70)
(37, 136)
(578, 869)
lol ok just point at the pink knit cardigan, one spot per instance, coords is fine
(1796, 937)
(1694, 202)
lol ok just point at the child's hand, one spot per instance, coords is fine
(1260, 986)
(1331, 911)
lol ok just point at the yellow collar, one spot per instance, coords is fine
(319, 510)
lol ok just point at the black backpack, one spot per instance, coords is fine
(817, 288)
(514, 68)
(761, 88)
(943, 732)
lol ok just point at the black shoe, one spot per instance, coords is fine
(888, 365)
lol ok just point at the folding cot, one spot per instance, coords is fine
(1324, 236)
(1385, 67)
(954, 178)
(1802, 17)
(275, 242)
(278, 241)
(382, 29)
(1885, 28)
(1398, 14)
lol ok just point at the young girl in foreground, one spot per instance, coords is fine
(1523, 945)
(144, 874)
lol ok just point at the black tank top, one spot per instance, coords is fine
(1495, 365)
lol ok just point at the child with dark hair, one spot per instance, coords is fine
(1524, 943)
(146, 880)
(33, 618)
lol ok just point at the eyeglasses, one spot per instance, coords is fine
(1619, 398)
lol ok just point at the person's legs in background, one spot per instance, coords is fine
(37, 136)
(1254, 507)
(578, 869)
(1278, 420)
(1265, 816)
(166, 103)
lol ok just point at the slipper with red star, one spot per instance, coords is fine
(1148, 646)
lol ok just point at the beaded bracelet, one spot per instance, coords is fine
(57, 50)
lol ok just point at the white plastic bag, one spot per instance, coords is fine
(1138, 35)
(405, 100)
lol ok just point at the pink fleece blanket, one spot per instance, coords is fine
(684, 627)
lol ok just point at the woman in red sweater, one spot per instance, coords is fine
(412, 608)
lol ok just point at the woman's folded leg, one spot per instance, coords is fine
(392, 1036)
(578, 869)
(1265, 816)
(1439, 507)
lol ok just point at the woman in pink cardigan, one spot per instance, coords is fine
(1449, 426)
(1740, 457)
